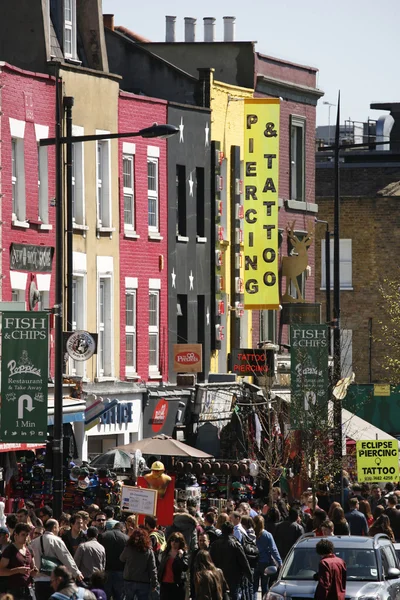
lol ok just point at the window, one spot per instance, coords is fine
(200, 203)
(180, 200)
(43, 184)
(128, 177)
(14, 175)
(104, 351)
(70, 28)
(301, 279)
(297, 158)
(268, 325)
(78, 187)
(346, 352)
(224, 197)
(182, 314)
(345, 271)
(18, 296)
(154, 332)
(130, 331)
(103, 184)
(18, 179)
(78, 318)
(152, 186)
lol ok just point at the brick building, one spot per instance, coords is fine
(143, 254)
(369, 202)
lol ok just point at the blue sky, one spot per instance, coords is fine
(364, 65)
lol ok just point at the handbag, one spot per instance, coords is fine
(47, 563)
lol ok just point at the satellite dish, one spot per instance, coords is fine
(34, 296)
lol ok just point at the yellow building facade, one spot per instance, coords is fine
(227, 133)
(95, 288)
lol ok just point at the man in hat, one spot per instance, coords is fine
(157, 479)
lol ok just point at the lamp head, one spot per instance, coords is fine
(159, 131)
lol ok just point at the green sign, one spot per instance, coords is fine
(309, 376)
(24, 376)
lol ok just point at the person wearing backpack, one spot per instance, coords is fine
(269, 556)
(62, 582)
(249, 543)
(157, 537)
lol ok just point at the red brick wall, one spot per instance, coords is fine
(286, 71)
(141, 257)
(15, 83)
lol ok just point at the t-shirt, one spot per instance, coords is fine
(168, 576)
(17, 559)
(72, 543)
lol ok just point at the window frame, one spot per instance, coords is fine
(43, 184)
(78, 179)
(131, 331)
(346, 260)
(297, 123)
(103, 182)
(153, 195)
(78, 285)
(129, 191)
(18, 179)
(154, 332)
(70, 25)
(105, 363)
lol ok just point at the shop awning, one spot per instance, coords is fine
(73, 410)
(357, 429)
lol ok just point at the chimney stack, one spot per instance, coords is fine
(190, 29)
(229, 29)
(108, 21)
(170, 29)
(209, 29)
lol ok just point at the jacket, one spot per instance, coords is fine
(73, 590)
(186, 525)
(268, 550)
(212, 532)
(287, 534)
(331, 579)
(179, 567)
(394, 518)
(53, 546)
(357, 522)
(90, 556)
(114, 542)
(228, 555)
(139, 566)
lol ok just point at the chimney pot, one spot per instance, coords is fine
(209, 29)
(170, 29)
(229, 29)
(108, 21)
(190, 29)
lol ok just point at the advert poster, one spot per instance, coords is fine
(261, 174)
(377, 460)
(24, 376)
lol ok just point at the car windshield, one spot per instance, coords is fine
(302, 563)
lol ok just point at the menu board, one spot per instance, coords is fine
(142, 501)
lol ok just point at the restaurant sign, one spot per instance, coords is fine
(35, 259)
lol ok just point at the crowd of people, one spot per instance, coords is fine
(91, 555)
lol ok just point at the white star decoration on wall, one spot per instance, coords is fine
(191, 279)
(181, 128)
(173, 277)
(207, 132)
(191, 183)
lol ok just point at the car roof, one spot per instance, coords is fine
(341, 541)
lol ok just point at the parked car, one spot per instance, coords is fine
(372, 569)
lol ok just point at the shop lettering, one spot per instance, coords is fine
(24, 257)
(25, 323)
(120, 414)
(188, 358)
(14, 370)
(309, 338)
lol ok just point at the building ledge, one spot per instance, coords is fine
(132, 235)
(182, 238)
(201, 240)
(155, 237)
(22, 224)
(80, 227)
(45, 227)
(301, 206)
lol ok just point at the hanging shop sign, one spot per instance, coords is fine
(188, 358)
(377, 460)
(249, 361)
(80, 345)
(35, 259)
(309, 375)
(24, 377)
(261, 173)
(140, 501)
(300, 313)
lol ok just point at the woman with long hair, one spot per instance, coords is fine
(173, 566)
(269, 555)
(209, 582)
(222, 518)
(332, 508)
(382, 525)
(140, 571)
(130, 524)
(365, 508)
(340, 525)
(379, 510)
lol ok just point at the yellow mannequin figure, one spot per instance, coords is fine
(157, 479)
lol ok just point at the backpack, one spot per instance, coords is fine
(159, 544)
(250, 549)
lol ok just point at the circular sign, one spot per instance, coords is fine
(159, 416)
(81, 345)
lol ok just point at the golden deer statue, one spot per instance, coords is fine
(295, 264)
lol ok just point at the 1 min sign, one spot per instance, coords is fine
(188, 358)
(24, 377)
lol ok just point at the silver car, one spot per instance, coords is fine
(372, 569)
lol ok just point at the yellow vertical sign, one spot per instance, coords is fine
(261, 174)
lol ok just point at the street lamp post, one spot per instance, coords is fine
(155, 131)
(329, 105)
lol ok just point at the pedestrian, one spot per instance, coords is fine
(249, 543)
(341, 526)
(4, 542)
(110, 522)
(332, 508)
(365, 508)
(100, 521)
(228, 555)
(64, 523)
(238, 530)
(90, 556)
(331, 573)
(287, 532)
(62, 582)
(51, 546)
(209, 527)
(269, 556)
(11, 523)
(140, 571)
(209, 582)
(23, 516)
(382, 525)
(376, 498)
(186, 525)
(204, 544)
(74, 536)
(18, 564)
(221, 519)
(357, 522)
(279, 502)
(86, 520)
(394, 516)
(157, 537)
(130, 524)
(45, 513)
(327, 528)
(173, 568)
(114, 542)
(319, 516)
(37, 532)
